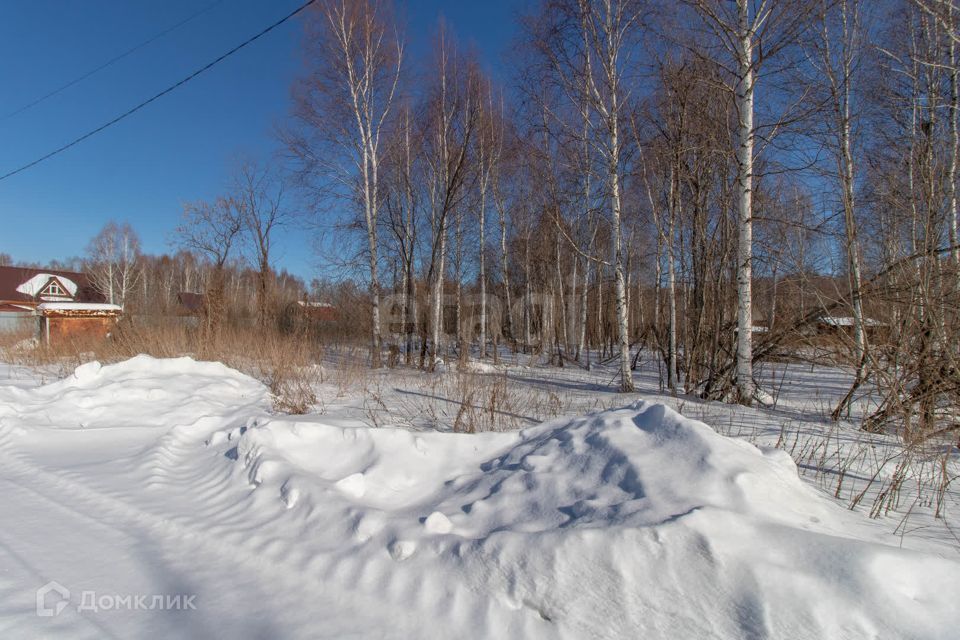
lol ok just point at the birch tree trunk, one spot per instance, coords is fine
(563, 337)
(954, 147)
(357, 73)
(743, 95)
(840, 84)
(672, 283)
(488, 152)
(458, 292)
(502, 214)
(527, 294)
(610, 110)
(436, 293)
(849, 210)
(483, 272)
(409, 232)
(582, 339)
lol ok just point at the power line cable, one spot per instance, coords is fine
(172, 87)
(111, 61)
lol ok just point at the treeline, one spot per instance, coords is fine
(712, 180)
(709, 179)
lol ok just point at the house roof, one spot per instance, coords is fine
(192, 302)
(318, 310)
(845, 321)
(79, 309)
(13, 308)
(22, 285)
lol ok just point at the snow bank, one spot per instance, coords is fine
(628, 523)
(474, 366)
(634, 522)
(137, 393)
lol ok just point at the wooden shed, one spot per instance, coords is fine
(70, 321)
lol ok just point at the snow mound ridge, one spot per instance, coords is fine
(140, 392)
(643, 465)
(634, 522)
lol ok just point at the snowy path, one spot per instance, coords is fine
(115, 548)
(107, 526)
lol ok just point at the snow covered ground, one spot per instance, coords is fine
(166, 498)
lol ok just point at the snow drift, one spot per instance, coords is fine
(634, 522)
(140, 392)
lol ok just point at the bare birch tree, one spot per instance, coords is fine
(738, 30)
(589, 48)
(452, 110)
(838, 47)
(113, 257)
(489, 142)
(356, 57)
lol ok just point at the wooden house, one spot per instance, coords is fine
(54, 305)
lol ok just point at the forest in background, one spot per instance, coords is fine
(711, 181)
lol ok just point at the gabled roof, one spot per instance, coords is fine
(22, 285)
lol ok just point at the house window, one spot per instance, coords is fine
(54, 289)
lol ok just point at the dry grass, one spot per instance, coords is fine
(872, 471)
(14, 339)
(461, 401)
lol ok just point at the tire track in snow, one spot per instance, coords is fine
(265, 561)
(195, 513)
(17, 543)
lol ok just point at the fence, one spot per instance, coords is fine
(18, 322)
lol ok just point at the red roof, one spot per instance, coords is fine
(12, 308)
(13, 277)
(319, 311)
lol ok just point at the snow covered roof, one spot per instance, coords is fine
(81, 308)
(35, 285)
(755, 329)
(845, 321)
(29, 286)
(318, 311)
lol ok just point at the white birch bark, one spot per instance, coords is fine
(743, 95)
(954, 146)
(361, 39)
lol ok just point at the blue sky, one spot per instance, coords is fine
(179, 148)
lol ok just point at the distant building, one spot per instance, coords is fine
(190, 304)
(308, 316)
(55, 305)
(845, 321)
(843, 326)
(65, 321)
(319, 311)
